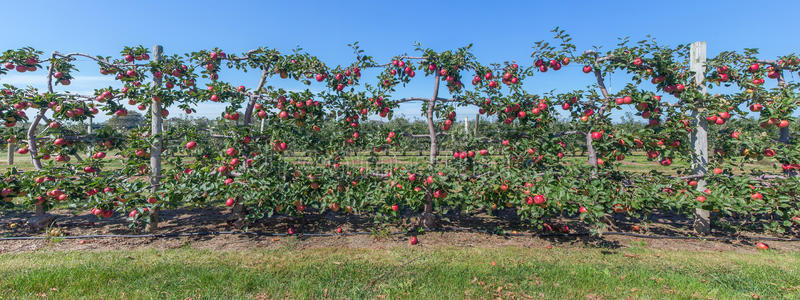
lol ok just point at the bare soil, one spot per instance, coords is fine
(361, 232)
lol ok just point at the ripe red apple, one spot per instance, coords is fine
(230, 202)
(757, 196)
(412, 177)
(413, 240)
(587, 69)
(395, 207)
(191, 145)
(762, 246)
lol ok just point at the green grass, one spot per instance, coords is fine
(441, 273)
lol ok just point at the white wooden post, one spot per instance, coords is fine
(475, 128)
(12, 147)
(466, 126)
(155, 149)
(699, 134)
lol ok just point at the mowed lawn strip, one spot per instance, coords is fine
(414, 272)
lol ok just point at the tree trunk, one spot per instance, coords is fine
(428, 219)
(590, 149)
(248, 112)
(34, 150)
(240, 210)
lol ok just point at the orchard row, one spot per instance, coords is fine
(741, 103)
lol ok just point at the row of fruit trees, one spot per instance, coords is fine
(244, 164)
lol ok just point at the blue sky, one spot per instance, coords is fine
(499, 31)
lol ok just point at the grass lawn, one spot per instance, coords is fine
(405, 272)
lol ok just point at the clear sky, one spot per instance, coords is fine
(502, 30)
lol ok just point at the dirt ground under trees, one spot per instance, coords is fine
(319, 231)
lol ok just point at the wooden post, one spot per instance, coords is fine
(12, 147)
(475, 127)
(699, 134)
(155, 149)
(466, 126)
